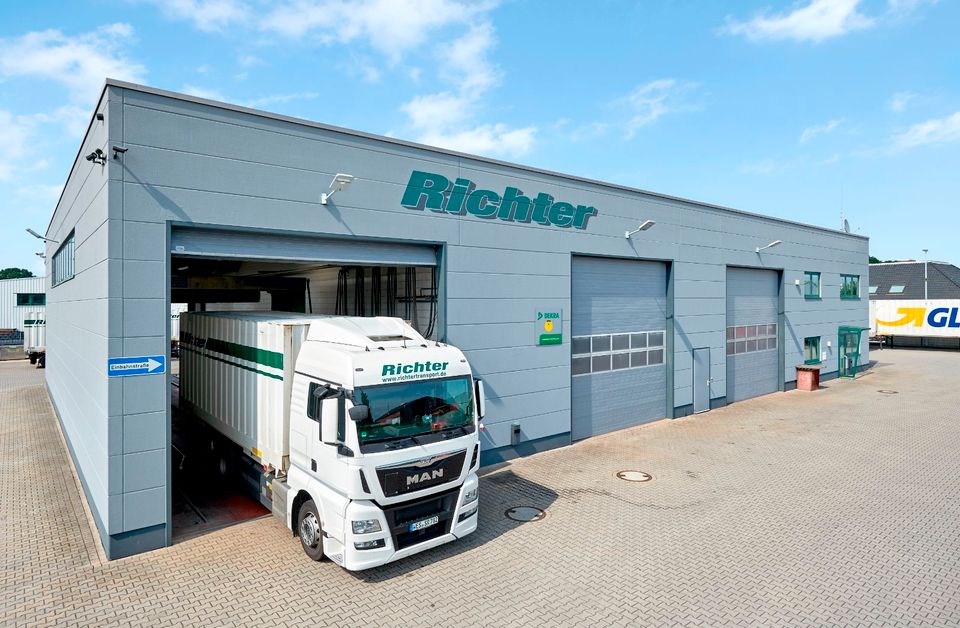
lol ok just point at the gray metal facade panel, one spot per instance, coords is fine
(226, 244)
(11, 314)
(752, 299)
(610, 296)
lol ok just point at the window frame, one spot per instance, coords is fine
(873, 289)
(609, 352)
(31, 302)
(807, 360)
(843, 284)
(900, 291)
(63, 262)
(809, 274)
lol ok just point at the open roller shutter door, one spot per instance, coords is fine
(225, 244)
(618, 331)
(752, 333)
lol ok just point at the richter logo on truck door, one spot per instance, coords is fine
(427, 190)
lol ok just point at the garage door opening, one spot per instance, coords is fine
(214, 482)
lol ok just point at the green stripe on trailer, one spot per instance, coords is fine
(272, 359)
(239, 366)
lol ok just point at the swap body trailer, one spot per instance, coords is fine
(35, 337)
(365, 431)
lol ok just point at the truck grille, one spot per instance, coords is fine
(399, 518)
(412, 477)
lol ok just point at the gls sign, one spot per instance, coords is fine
(427, 190)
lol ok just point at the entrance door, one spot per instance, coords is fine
(848, 343)
(701, 379)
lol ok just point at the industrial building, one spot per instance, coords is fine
(915, 304)
(22, 302)
(585, 307)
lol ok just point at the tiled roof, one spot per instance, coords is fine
(943, 280)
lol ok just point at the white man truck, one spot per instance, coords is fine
(366, 432)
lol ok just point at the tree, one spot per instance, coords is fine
(15, 273)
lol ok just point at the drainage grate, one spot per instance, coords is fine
(525, 513)
(634, 476)
(888, 392)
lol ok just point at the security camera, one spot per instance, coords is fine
(97, 157)
(117, 151)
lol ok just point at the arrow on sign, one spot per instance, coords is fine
(909, 315)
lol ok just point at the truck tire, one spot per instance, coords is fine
(310, 530)
(33, 358)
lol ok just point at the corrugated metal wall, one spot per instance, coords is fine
(12, 315)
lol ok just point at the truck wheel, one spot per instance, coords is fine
(310, 530)
(33, 359)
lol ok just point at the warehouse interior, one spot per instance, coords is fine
(213, 483)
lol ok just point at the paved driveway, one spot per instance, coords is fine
(835, 507)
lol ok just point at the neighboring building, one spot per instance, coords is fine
(20, 300)
(215, 203)
(916, 304)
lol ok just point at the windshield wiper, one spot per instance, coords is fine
(401, 443)
(448, 435)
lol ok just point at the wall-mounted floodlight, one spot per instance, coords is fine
(40, 237)
(340, 183)
(769, 246)
(643, 227)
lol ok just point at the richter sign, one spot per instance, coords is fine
(427, 190)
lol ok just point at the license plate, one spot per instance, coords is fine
(424, 523)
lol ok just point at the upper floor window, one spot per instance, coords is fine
(849, 286)
(63, 263)
(811, 286)
(897, 289)
(873, 289)
(31, 298)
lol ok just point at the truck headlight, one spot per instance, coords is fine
(471, 495)
(366, 526)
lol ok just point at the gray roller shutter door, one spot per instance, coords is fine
(226, 244)
(618, 325)
(752, 333)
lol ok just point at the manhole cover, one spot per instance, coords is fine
(634, 476)
(525, 513)
(887, 392)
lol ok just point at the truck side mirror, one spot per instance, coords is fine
(481, 398)
(328, 431)
(359, 413)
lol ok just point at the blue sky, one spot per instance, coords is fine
(774, 107)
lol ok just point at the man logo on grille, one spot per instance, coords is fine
(426, 476)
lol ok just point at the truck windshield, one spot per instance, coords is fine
(411, 409)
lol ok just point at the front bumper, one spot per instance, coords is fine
(458, 520)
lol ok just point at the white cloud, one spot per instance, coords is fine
(14, 135)
(79, 62)
(465, 60)
(441, 110)
(393, 27)
(820, 129)
(816, 21)
(486, 139)
(900, 100)
(936, 131)
(206, 15)
(281, 99)
(203, 92)
(649, 102)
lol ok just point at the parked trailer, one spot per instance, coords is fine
(366, 433)
(35, 337)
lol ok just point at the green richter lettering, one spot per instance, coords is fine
(416, 367)
(428, 190)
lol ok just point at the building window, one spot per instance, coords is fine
(750, 338)
(811, 350)
(897, 289)
(811, 285)
(849, 286)
(616, 352)
(873, 289)
(31, 298)
(63, 267)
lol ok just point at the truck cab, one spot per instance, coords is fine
(383, 443)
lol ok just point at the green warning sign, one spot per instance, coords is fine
(548, 327)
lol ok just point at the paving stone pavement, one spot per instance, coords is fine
(840, 507)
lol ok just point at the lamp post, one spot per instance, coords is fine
(926, 261)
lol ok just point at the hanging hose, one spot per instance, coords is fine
(341, 305)
(433, 302)
(413, 299)
(407, 303)
(359, 290)
(391, 291)
(375, 296)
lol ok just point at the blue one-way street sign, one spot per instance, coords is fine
(140, 365)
